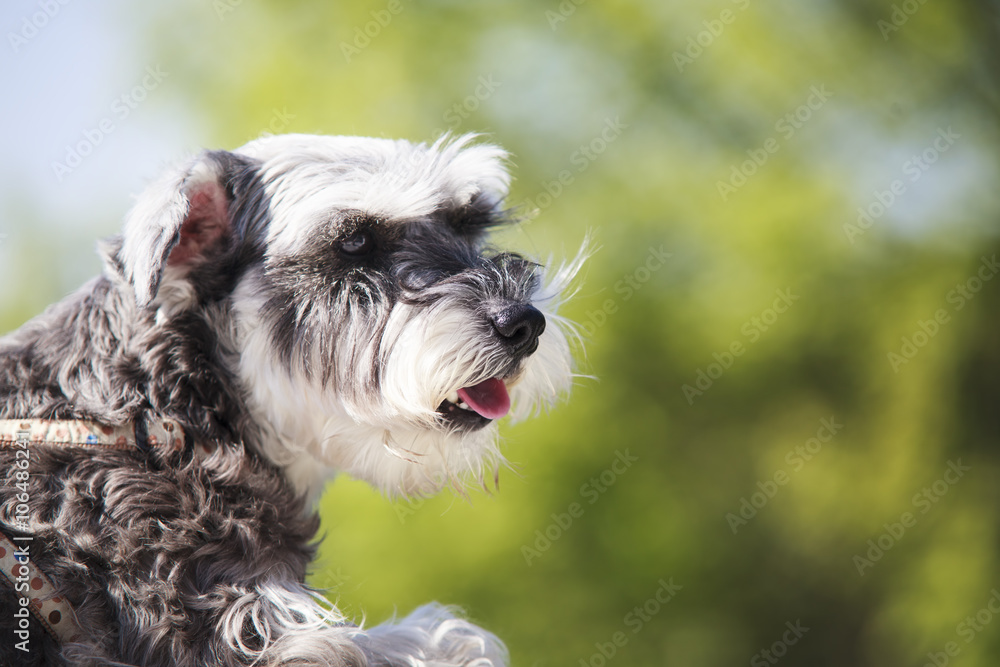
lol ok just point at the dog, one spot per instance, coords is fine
(269, 317)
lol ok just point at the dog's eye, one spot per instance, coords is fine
(357, 244)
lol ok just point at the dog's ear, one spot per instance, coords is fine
(176, 222)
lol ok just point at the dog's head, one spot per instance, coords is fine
(371, 327)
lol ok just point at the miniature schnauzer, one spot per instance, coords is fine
(303, 306)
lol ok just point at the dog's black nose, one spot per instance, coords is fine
(520, 326)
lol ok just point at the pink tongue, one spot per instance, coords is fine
(489, 398)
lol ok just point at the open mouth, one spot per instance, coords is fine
(477, 405)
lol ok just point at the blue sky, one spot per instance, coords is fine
(61, 81)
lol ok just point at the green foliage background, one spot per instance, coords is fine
(557, 75)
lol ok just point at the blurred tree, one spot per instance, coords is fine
(791, 317)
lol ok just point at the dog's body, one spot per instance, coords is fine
(302, 306)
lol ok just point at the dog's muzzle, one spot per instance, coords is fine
(518, 327)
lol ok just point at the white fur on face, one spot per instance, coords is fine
(394, 439)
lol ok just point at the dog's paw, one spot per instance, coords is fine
(433, 636)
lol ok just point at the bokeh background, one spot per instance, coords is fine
(786, 448)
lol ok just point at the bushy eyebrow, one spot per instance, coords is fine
(481, 214)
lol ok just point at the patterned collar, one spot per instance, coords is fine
(142, 435)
